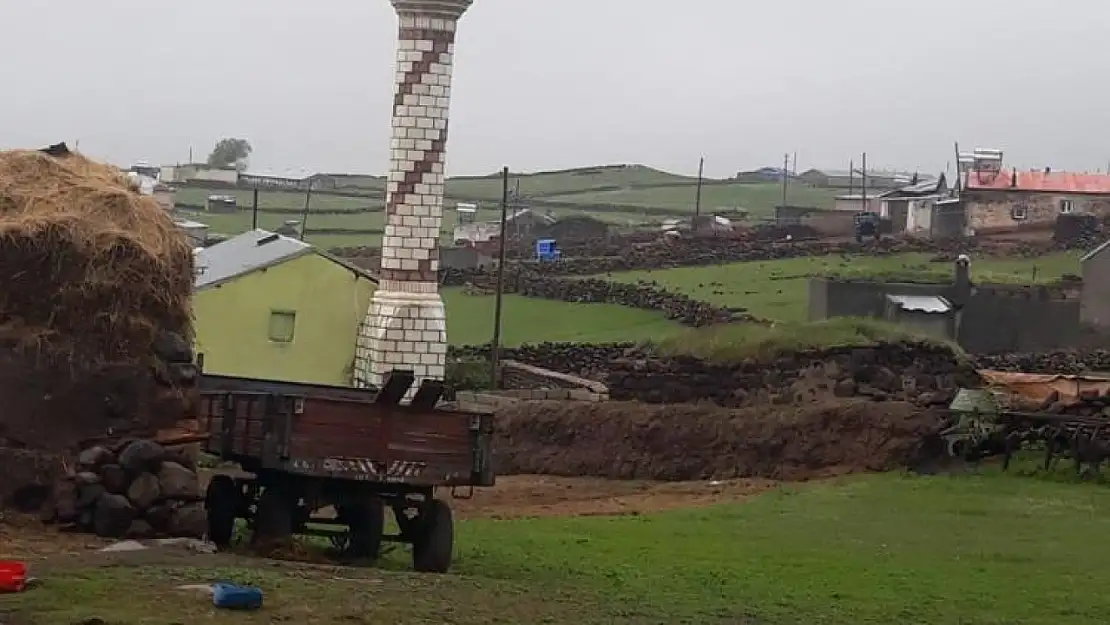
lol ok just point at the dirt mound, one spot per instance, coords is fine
(97, 279)
(627, 440)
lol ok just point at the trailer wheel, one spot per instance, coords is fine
(273, 517)
(434, 538)
(365, 525)
(221, 501)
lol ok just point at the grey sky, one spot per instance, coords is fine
(545, 84)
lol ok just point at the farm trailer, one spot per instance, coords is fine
(307, 448)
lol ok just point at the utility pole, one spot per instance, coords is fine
(785, 176)
(304, 214)
(851, 177)
(254, 209)
(697, 192)
(495, 344)
(863, 186)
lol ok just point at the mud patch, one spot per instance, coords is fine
(524, 496)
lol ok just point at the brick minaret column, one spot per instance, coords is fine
(405, 327)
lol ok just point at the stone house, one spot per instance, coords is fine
(1016, 200)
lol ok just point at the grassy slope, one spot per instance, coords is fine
(570, 188)
(975, 550)
(778, 289)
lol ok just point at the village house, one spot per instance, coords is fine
(853, 179)
(856, 202)
(999, 200)
(272, 307)
(910, 208)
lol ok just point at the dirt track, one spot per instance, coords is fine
(517, 496)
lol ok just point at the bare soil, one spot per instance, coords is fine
(689, 442)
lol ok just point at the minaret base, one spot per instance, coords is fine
(402, 331)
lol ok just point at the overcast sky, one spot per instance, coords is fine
(546, 84)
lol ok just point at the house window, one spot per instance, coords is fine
(1019, 212)
(1065, 206)
(282, 324)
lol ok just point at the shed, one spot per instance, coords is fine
(931, 315)
(1094, 307)
(272, 307)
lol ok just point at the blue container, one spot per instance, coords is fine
(235, 597)
(546, 250)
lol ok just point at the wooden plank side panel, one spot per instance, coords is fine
(335, 429)
(338, 429)
(247, 430)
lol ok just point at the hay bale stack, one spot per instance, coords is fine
(96, 284)
(136, 489)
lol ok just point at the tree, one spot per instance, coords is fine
(230, 152)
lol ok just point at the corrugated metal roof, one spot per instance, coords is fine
(974, 400)
(1095, 252)
(922, 303)
(1053, 182)
(243, 254)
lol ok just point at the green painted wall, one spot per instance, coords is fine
(233, 322)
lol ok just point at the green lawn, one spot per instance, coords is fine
(529, 320)
(778, 289)
(876, 550)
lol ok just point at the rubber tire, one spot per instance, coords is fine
(365, 526)
(221, 502)
(434, 541)
(273, 518)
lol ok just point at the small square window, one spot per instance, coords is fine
(1019, 213)
(282, 325)
(1065, 206)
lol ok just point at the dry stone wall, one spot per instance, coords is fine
(919, 372)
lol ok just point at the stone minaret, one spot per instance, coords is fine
(405, 327)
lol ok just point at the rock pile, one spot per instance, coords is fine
(1058, 362)
(136, 489)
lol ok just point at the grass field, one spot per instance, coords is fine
(977, 549)
(775, 290)
(635, 189)
(528, 320)
(778, 289)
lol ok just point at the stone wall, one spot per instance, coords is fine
(926, 373)
(995, 318)
(643, 295)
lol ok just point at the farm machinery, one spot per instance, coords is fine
(329, 461)
(867, 224)
(983, 427)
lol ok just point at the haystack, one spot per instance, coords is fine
(92, 274)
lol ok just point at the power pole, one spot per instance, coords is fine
(863, 187)
(785, 176)
(697, 193)
(495, 344)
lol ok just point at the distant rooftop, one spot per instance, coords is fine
(1048, 182)
(243, 254)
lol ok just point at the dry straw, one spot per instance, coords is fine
(88, 265)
